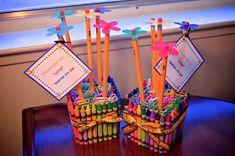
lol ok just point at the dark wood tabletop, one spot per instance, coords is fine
(209, 130)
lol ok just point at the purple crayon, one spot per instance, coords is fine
(152, 118)
(162, 124)
(168, 136)
(147, 140)
(157, 118)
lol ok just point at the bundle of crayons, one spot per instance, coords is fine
(151, 128)
(96, 118)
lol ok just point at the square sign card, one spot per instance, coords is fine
(58, 71)
(181, 68)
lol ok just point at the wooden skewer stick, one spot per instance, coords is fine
(138, 69)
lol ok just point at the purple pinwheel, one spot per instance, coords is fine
(134, 33)
(186, 25)
(101, 10)
(165, 49)
(59, 30)
(106, 26)
(61, 14)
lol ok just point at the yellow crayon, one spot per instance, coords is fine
(88, 118)
(100, 130)
(110, 125)
(83, 119)
(139, 120)
(105, 126)
(94, 129)
(115, 125)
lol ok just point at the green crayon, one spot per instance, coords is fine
(110, 125)
(100, 130)
(88, 118)
(143, 133)
(105, 126)
(115, 125)
(94, 129)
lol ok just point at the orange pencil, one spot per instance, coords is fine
(157, 58)
(98, 47)
(106, 27)
(162, 82)
(138, 68)
(89, 51)
(153, 40)
(106, 61)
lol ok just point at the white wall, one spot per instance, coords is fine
(214, 79)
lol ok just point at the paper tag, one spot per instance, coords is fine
(182, 67)
(58, 71)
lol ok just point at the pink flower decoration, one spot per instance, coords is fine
(106, 26)
(165, 49)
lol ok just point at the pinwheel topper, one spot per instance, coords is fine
(101, 10)
(165, 49)
(186, 25)
(106, 26)
(61, 14)
(59, 30)
(87, 13)
(134, 33)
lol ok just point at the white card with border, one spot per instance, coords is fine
(181, 68)
(58, 71)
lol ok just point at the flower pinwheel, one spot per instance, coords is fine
(106, 26)
(101, 10)
(87, 13)
(186, 25)
(165, 49)
(59, 30)
(134, 33)
(62, 14)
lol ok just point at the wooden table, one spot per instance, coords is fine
(209, 130)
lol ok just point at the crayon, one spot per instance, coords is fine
(83, 119)
(136, 131)
(162, 124)
(105, 126)
(115, 125)
(152, 118)
(110, 125)
(139, 120)
(88, 118)
(77, 117)
(168, 136)
(131, 136)
(147, 136)
(143, 133)
(100, 130)
(94, 129)
(157, 118)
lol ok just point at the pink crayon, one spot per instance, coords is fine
(130, 110)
